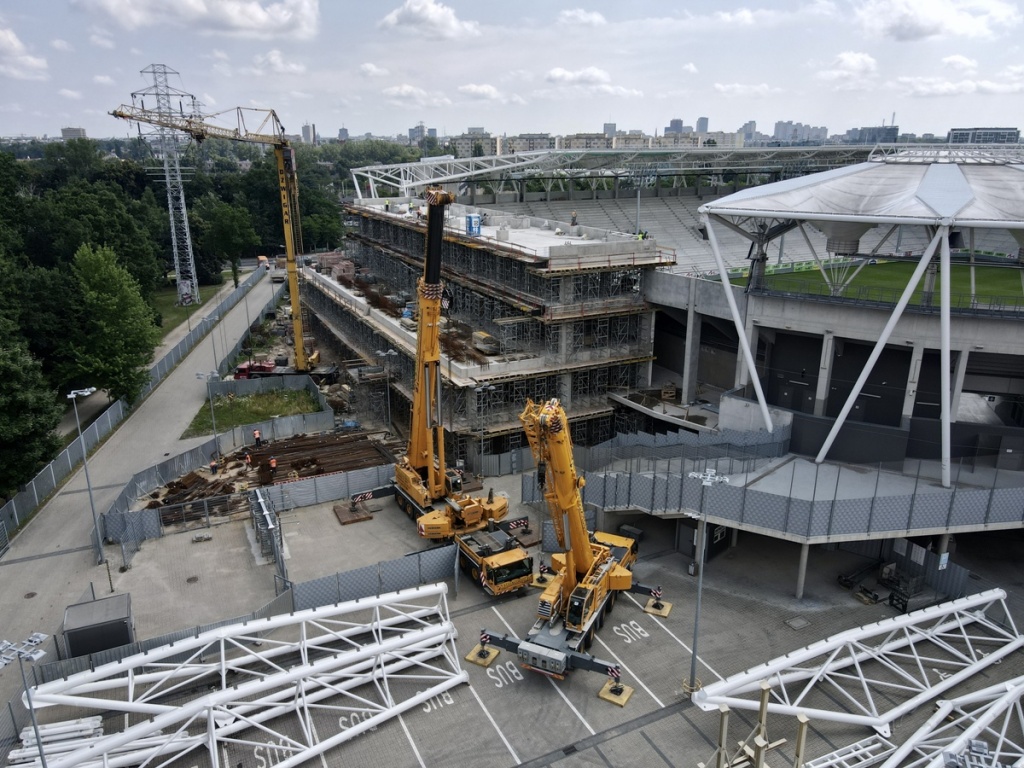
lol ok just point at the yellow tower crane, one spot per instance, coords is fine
(271, 132)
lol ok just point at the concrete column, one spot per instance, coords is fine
(691, 355)
(734, 539)
(824, 373)
(943, 545)
(959, 371)
(742, 372)
(910, 393)
(801, 575)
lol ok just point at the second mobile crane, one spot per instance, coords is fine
(589, 570)
(426, 488)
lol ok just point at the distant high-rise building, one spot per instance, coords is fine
(307, 134)
(609, 130)
(343, 134)
(675, 125)
(875, 134)
(72, 133)
(749, 130)
(528, 142)
(702, 125)
(476, 131)
(417, 134)
(980, 136)
(797, 133)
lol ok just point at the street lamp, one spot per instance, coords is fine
(387, 372)
(213, 340)
(73, 397)
(707, 478)
(210, 378)
(34, 656)
(479, 391)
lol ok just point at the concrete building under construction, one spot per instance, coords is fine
(535, 309)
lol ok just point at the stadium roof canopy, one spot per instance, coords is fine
(969, 186)
(505, 170)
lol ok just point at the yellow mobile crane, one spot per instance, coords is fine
(422, 479)
(589, 570)
(270, 132)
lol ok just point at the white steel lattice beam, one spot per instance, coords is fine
(874, 674)
(230, 690)
(993, 715)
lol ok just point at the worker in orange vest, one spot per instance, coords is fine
(257, 437)
(273, 466)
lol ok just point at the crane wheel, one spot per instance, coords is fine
(475, 573)
(611, 602)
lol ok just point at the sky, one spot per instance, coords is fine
(527, 66)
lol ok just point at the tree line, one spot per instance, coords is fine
(85, 245)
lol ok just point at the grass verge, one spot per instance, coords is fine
(234, 411)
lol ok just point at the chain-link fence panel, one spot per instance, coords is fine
(361, 582)
(402, 573)
(850, 516)
(890, 513)
(437, 564)
(315, 592)
(969, 507)
(1006, 506)
(931, 510)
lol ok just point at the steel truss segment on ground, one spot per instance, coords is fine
(878, 672)
(992, 715)
(378, 656)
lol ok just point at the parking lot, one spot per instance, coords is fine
(506, 715)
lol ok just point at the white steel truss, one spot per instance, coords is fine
(411, 178)
(992, 716)
(236, 689)
(879, 672)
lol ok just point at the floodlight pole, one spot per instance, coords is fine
(707, 478)
(32, 711)
(211, 377)
(73, 397)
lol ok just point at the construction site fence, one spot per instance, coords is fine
(413, 570)
(919, 567)
(24, 504)
(130, 527)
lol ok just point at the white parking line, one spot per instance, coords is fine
(495, 724)
(552, 682)
(672, 635)
(632, 676)
(412, 743)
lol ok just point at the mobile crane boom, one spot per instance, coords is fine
(270, 132)
(590, 568)
(422, 478)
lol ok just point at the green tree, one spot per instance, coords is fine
(29, 414)
(223, 232)
(119, 332)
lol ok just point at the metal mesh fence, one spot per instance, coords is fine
(37, 490)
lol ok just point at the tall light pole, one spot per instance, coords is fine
(210, 378)
(213, 339)
(73, 397)
(707, 478)
(481, 391)
(34, 655)
(387, 375)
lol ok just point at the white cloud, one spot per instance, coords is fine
(103, 79)
(850, 70)
(372, 70)
(13, 107)
(935, 86)
(742, 17)
(208, 100)
(67, 93)
(410, 95)
(101, 39)
(960, 63)
(690, 68)
(15, 60)
(274, 62)
(431, 19)
(743, 89)
(906, 20)
(61, 45)
(580, 17)
(585, 76)
(482, 91)
(218, 54)
(296, 19)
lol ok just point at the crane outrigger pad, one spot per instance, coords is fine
(658, 607)
(620, 698)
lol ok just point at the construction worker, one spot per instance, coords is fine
(273, 466)
(248, 460)
(214, 467)
(257, 436)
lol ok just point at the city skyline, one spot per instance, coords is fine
(559, 68)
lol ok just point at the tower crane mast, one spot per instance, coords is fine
(268, 131)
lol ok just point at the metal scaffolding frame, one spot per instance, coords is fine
(880, 671)
(378, 656)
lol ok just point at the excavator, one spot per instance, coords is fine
(270, 132)
(427, 489)
(589, 570)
